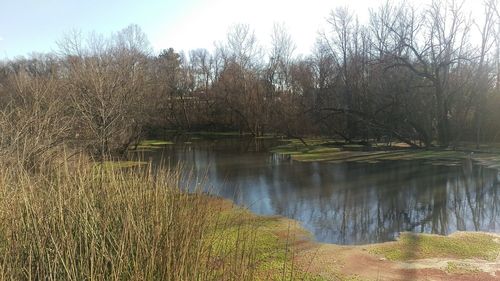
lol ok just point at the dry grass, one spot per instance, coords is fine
(83, 224)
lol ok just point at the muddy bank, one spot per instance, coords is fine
(459, 256)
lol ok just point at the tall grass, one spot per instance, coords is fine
(64, 220)
(85, 223)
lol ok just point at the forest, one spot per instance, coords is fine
(426, 76)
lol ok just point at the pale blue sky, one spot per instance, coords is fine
(35, 25)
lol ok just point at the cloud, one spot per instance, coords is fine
(1, 38)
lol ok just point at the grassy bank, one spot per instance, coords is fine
(333, 151)
(104, 223)
(460, 245)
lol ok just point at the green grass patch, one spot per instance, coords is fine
(152, 144)
(155, 142)
(269, 238)
(460, 268)
(288, 150)
(412, 246)
(335, 152)
(323, 150)
(322, 156)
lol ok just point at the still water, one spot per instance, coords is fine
(345, 203)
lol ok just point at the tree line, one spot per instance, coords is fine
(424, 76)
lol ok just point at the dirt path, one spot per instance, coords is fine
(335, 262)
(356, 263)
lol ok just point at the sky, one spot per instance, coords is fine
(28, 26)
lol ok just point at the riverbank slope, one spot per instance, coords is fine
(459, 256)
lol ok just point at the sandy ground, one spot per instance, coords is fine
(336, 262)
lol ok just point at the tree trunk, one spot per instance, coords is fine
(443, 126)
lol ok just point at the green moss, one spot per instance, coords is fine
(461, 245)
(151, 144)
(155, 142)
(317, 154)
(316, 150)
(460, 268)
(322, 150)
(269, 237)
(325, 150)
(325, 156)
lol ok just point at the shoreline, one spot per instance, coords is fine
(462, 255)
(331, 151)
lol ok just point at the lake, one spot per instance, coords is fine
(343, 203)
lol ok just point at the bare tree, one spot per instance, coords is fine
(280, 58)
(33, 118)
(105, 80)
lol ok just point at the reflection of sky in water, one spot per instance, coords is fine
(348, 203)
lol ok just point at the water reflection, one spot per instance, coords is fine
(347, 203)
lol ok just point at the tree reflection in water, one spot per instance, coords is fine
(347, 203)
